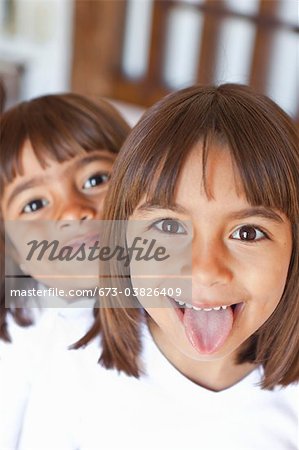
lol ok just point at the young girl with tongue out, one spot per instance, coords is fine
(214, 364)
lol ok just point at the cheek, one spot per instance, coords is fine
(22, 233)
(167, 323)
(15, 242)
(265, 275)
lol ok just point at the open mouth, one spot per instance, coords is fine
(207, 327)
(181, 306)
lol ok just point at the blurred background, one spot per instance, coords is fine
(136, 51)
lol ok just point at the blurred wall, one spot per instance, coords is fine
(138, 50)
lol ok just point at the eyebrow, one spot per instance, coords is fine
(258, 211)
(37, 181)
(92, 158)
(150, 207)
(32, 183)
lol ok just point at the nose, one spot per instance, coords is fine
(77, 214)
(210, 265)
(75, 210)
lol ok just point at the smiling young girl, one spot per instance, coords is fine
(56, 156)
(217, 167)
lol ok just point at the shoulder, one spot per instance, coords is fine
(21, 336)
(289, 397)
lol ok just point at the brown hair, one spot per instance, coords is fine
(263, 142)
(2, 96)
(59, 127)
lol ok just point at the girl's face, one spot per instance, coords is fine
(240, 260)
(56, 202)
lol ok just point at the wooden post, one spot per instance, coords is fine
(98, 38)
(263, 46)
(209, 41)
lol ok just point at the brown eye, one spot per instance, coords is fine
(96, 180)
(170, 226)
(34, 206)
(249, 233)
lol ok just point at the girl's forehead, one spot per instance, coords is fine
(215, 180)
(28, 161)
(209, 169)
(32, 162)
(216, 169)
(37, 158)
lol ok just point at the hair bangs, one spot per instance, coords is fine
(223, 115)
(268, 178)
(48, 143)
(59, 127)
(52, 141)
(173, 135)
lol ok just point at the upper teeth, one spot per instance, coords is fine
(188, 305)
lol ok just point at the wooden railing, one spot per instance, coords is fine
(99, 37)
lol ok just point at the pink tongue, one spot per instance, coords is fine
(208, 330)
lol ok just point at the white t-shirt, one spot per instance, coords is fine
(22, 360)
(83, 406)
